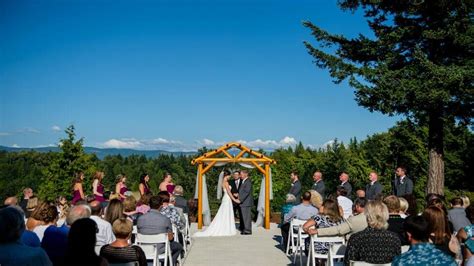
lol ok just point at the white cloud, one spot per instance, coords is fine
(122, 144)
(28, 130)
(15, 146)
(208, 142)
(3, 134)
(55, 128)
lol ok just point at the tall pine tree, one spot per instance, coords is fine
(418, 64)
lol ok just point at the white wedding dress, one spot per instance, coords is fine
(224, 221)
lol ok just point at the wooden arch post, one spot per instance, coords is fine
(246, 155)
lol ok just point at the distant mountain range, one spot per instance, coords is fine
(101, 153)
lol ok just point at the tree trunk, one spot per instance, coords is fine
(435, 147)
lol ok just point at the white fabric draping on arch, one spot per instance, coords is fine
(206, 211)
(261, 200)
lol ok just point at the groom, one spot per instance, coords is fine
(246, 203)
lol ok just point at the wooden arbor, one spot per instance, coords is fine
(246, 156)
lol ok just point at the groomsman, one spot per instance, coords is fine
(403, 184)
(344, 178)
(295, 187)
(374, 189)
(319, 183)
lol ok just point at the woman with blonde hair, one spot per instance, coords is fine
(97, 187)
(121, 187)
(375, 244)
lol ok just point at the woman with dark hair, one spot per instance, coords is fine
(329, 215)
(114, 211)
(121, 187)
(167, 183)
(81, 244)
(120, 251)
(77, 191)
(97, 187)
(440, 234)
(143, 187)
(49, 217)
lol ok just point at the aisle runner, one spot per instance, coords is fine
(260, 248)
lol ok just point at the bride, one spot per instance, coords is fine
(224, 221)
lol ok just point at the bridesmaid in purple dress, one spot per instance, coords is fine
(167, 184)
(144, 187)
(97, 187)
(77, 192)
(120, 187)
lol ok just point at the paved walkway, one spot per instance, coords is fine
(260, 248)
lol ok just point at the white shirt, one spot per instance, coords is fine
(105, 235)
(346, 205)
(39, 231)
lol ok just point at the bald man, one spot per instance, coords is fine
(11, 201)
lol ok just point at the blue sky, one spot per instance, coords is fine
(173, 75)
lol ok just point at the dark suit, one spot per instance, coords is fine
(234, 189)
(246, 204)
(348, 188)
(403, 188)
(372, 191)
(320, 188)
(296, 191)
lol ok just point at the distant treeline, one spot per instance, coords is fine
(50, 174)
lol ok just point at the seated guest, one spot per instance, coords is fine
(48, 218)
(170, 211)
(466, 234)
(104, 235)
(466, 202)
(120, 251)
(457, 215)
(360, 193)
(316, 199)
(440, 234)
(81, 244)
(63, 209)
(421, 252)
(143, 205)
(31, 205)
(181, 202)
(37, 216)
(130, 209)
(395, 221)
(286, 208)
(352, 225)
(404, 205)
(114, 211)
(154, 222)
(374, 244)
(11, 201)
(302, 211)
(328, 216)
(12, 251)
(55, 238)
(344, 201)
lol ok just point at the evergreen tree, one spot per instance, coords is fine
(419, 64)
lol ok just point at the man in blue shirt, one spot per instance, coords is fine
(12, 251)
(421, 251)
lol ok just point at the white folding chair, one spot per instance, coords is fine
(97, 249)
(176, 239)
(186, 234)
(295, 224)
(363, 263)
(312, 255)
(149, 245)
(300, 244)
(134, 235)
